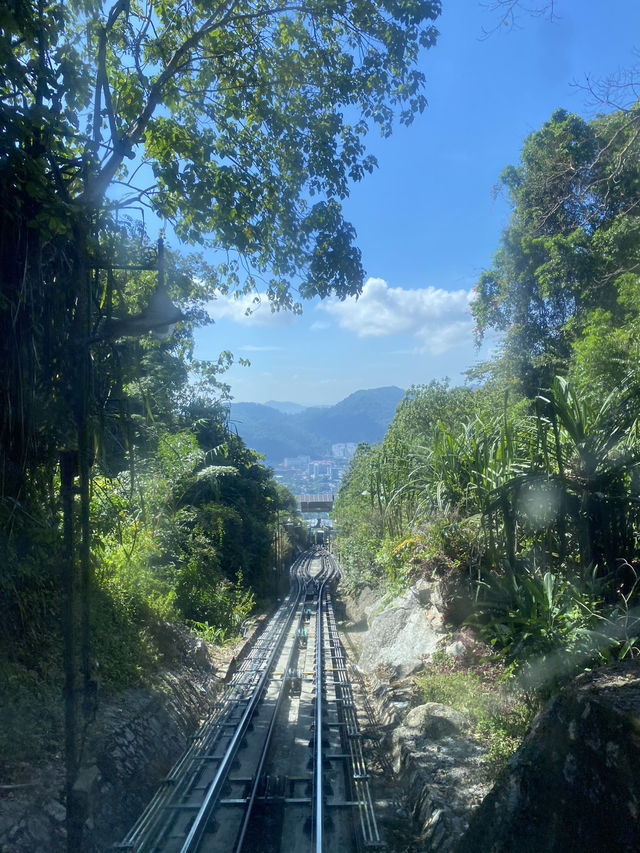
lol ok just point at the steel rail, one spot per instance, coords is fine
(352, 739)
(205, 739)
(321, 579)
(168, 820)
(318, 812)
(151, 826)
(263, 757)
(200, 821)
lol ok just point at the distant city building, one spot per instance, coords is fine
(344, 450)
(304, 474)
(319, 467)
(296, 461)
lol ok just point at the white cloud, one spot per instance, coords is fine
(439, 320)
(251, 309)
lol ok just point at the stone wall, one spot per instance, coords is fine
(138, 735)
(439, 767)
(572, 787)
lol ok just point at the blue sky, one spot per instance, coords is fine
(426, 220)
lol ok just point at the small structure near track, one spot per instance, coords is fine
(315, 503)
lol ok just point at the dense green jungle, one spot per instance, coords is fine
(128, 504)
(520, 490)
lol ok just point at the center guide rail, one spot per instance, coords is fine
(215, 745)
(279, 765)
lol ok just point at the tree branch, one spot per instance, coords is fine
(97, 186)
(509, 9)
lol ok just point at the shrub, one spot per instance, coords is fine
(477, 684)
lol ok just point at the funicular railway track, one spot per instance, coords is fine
(279, 766)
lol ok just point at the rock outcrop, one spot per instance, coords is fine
(574, 783)
(402, 631)
(442, 769)
(437, 763)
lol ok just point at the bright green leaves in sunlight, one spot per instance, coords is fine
(241, 124)
(190, 536)
(521, 497)
(241, 111)
(527, 519)
(574, 231)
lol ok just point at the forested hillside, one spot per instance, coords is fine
(362, 416)
(275, 433)
(125, 501)
(521, 492)
(156, 157)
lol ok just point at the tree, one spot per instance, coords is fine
(389, 490)
(572, 238)
(509, 11)
(225, 117)
(240, 123)
(358, 516)
(619, 90)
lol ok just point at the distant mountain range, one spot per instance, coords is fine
(286, 407)
(287, 429)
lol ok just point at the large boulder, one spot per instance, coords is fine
(441, 768)
(435, 721)
(357, 606)
(574, 784)
(402, 631)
